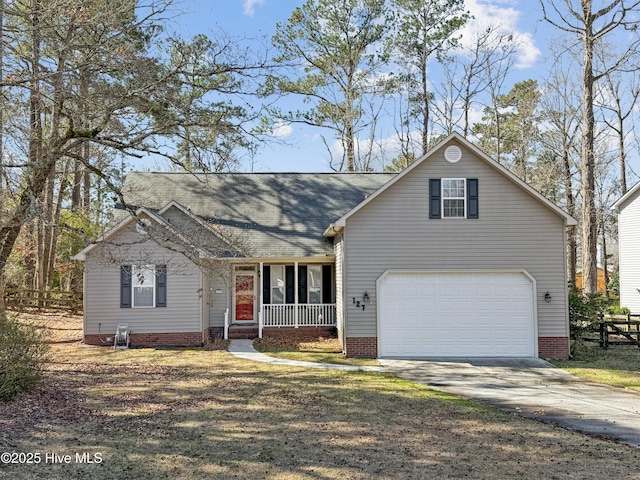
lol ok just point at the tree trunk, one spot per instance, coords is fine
(351, 155)
(425, 109)
(571, 209)
(623, 155)
(587, 180)
(605, 262)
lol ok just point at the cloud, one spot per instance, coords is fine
(249, 6)
(282, 130)
(500, 15)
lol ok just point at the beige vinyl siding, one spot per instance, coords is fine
(629, 251)
(339, 285)
(515, 231)
(102, 288)
(219, 302)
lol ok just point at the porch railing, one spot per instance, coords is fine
(301, 315)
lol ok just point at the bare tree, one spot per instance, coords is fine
(560, 141)
(592, 27)
(119, 103)
(478, 69)
(618, 96)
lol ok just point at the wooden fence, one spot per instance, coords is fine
(22, 299)
(619, 330)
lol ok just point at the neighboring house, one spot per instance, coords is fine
(628, 208)
(601, 282)
(455, 256)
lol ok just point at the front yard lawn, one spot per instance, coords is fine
(192, 413)
(619, 365)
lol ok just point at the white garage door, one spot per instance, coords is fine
(456, 315)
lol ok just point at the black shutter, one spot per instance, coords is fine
(266, 284)
(434, 198)
(472, 198)
(161, 285)
(125, 286)
(289, 281)
(327, 284)
(302, 284)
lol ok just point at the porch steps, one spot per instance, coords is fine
(236, 332)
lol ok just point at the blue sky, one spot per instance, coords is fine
(305, 150)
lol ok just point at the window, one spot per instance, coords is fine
(277, 284)
(453, 198)
(143, 282)
(314, 282)
(143, 286)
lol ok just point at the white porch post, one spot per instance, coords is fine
(295, 298)
(261, 306)
(226, 324)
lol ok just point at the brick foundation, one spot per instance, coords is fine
(361, 347)
(301, 332)
(181, 339)
(553, 347)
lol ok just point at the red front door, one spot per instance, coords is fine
(245, 297)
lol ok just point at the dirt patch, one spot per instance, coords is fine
(56, 327)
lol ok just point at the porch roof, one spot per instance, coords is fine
(270, 214)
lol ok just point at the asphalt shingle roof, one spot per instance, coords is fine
(278, 214)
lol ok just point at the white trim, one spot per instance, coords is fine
(534, 294)
(569, 220)
(196, 219)
(126, 221)
(463, 198)
(151, 267)
(625, 197)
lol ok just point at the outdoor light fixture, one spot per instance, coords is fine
(365, 298)
(547, 297)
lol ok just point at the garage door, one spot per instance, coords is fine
(456, 315)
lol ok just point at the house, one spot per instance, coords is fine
(628, 208)
(455, 256)
(601, 281)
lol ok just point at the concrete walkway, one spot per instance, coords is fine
(244, 349)
(532, 388)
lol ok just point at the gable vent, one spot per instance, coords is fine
(452, 154)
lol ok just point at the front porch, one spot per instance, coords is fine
(304, 317)
(281, 297)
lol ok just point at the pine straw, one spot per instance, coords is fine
(191, 413)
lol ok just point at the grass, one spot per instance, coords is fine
(318, 350)
(619, 365)
(193, 413)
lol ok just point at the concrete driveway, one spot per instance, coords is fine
(532, 388)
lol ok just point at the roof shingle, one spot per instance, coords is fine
(278, 214)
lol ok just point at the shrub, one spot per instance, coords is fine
(618, 310)
(584, 311)
(22, 355)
